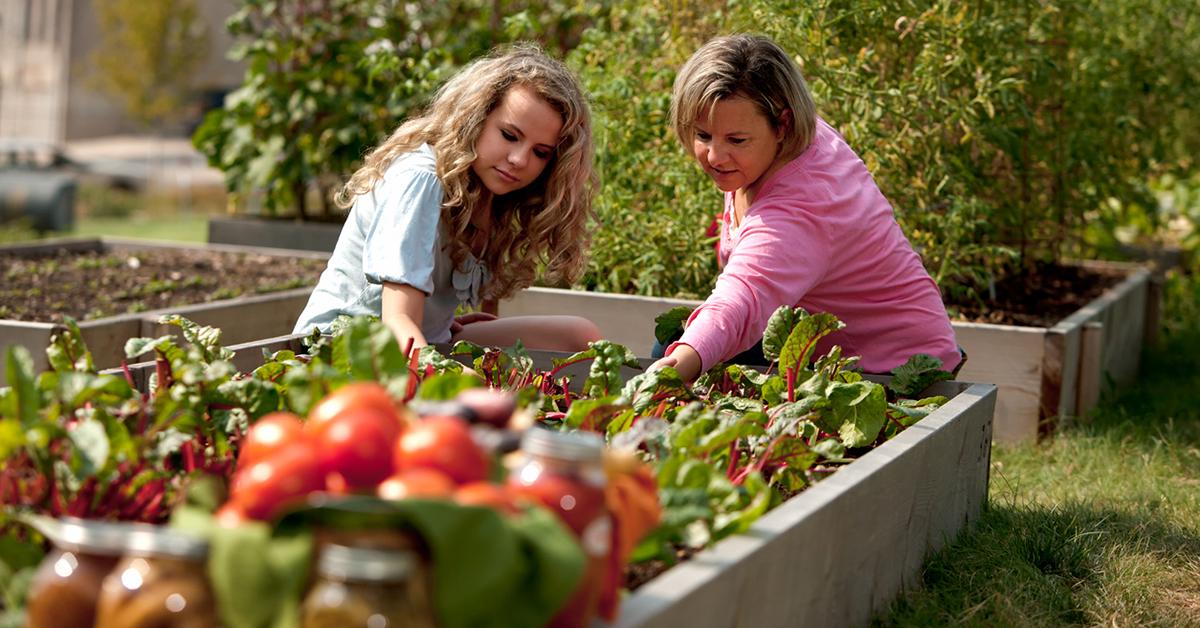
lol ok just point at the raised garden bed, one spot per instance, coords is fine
(276, 233)
(98, 281)
(837, 552)
(1042, 373)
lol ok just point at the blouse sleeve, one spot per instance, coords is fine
(781, 253)
(400, 242)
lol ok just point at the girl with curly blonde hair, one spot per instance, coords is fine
(468, 201)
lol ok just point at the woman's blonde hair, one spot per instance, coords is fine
(544, 223)
(755, 68)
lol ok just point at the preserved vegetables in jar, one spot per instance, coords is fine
(367, 587)
(160, 582)
(66, 586)
(564, 472)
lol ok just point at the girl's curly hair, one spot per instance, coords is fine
(545, 224)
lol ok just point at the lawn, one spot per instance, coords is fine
(183, 227)
(1098, 524)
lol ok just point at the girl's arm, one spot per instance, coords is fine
(403, 310)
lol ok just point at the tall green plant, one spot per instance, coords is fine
(147, 53)
(998, 129)
(328, 79)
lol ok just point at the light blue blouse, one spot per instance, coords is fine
(394, 234)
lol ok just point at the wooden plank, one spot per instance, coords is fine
(1091, 358)
(1011, 358)
(106, 337)
(241, 319)
(35, 337)
(53, 245)
(1060, 375)
(624, 319)
(134, 244)
(838, 552)
(1154, 306)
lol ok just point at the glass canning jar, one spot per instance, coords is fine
(161, 581)
(367, 587)
(564, 472)
(66, 586)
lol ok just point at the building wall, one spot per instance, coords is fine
(32, 68)
(47, 89)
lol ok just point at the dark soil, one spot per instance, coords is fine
(1042, 297)
(91, 285)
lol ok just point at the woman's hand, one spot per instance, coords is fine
(467, 319)
(684, 359)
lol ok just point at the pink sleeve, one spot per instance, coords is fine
(779, 255)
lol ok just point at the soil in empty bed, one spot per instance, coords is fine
(87, 285)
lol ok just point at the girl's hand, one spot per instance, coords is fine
(467, 319)
(683, 359)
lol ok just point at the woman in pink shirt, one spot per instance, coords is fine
(804, 223)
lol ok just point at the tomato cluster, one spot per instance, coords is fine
(358, 439)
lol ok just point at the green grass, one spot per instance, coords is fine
(183, 227)
(1097, 525)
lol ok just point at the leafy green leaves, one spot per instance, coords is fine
(920, 372)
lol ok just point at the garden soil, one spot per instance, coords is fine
(90, 285)
(87, 285)
(1043, 296)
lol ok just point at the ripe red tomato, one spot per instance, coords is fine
(358, 445)
(286, 477)
(269, 434)
(443, 443)
(418, 482)
(352, 396)
(494, 496)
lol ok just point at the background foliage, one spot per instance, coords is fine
(1005, 132)
(329, 79)
(147, 53)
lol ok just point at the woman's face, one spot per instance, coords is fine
(517, 142)
(735, 145)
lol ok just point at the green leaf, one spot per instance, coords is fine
(920, 372)
(68, 351)
(856, 412)
(256, 396)
(205, 339)
(592, 414)
(136, 347)
(779, 327)
(12, 437)
(371, 351)
(489, 570)
(429, 356)
(668, 326)
(19, 364)
(802, 341)
(91, 445)
(445, 386)
(77, 388)
(641, 389)
(604, 377)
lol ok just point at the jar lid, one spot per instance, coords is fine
(362, 563)
(574, 446)
(151, 540)
(106, 538)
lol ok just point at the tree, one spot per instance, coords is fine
(148, 52)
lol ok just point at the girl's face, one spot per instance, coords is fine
(735, 145)
(517, 141)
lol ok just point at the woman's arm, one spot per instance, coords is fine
(403, 310)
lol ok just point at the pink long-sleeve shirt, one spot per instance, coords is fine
(821, 235)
